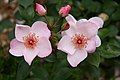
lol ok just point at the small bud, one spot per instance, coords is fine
(104, 16)
(40, 9)
(65, 26)
(64, 10)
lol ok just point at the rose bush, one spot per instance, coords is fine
(59, 40)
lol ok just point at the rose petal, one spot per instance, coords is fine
(21, 31)
(82, 20)
(98, 41)
(30, 54)
(40, 29)
(91, 47)
(77, 57)
(98, 21)
(66, 45)
(16, 48)
(44, 47)
(87, 28)
(70, 32)
(71, 20)
(63, 33)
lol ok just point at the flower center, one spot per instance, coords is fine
(79, 41)
(30, 40)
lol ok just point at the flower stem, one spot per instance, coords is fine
(46, 20)
(49, 25)
(56, 22)
(58, 32)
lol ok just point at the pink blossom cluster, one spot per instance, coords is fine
(78, 41)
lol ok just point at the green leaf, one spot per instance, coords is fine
(92, 6)
(109, 6)
(11, 35)
(61, 54)
(51, 58)
(5, 24)
(113, 31)
(116, 15)
(104, 33)
(60, 64)
(109, 50)
(23, 71)
(86, 3)
(62, 74)
(27, 13)
(25, 3)
(40, 72)
(94, 59)
(33, 79)
(53, 2)
(95, 7)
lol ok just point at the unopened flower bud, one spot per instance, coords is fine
(104, 16)
(65, 26)
(64, 10)
(40, 9)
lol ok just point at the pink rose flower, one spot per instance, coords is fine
(40, 9)
(31, 41)
(64, 10)
(80, 39)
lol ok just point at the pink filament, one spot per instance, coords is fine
(80, 41)
(30, 40)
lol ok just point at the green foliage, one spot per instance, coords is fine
(109, 6)
(99, 64)
(27, 13)
(116, 15)
(23, 71)
(5, 24)
(40, 73)
(25, 3)
(108, 50)
(94, 59)
(62, 74)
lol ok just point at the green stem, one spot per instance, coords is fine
(46, 20)
(49, 25)
(56, 22)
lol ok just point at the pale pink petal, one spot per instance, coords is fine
(82, 20)
(70, 32)
(98, 41)
(66, 45)
(87, 28)
(44, 47)
(40, 29)
(71, 20)
(21, 31)
(30, 54)
(77, 57)
(16, 48)
(63, 33)
(91, 46)
(98, 21)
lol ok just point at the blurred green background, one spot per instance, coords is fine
(104, 64)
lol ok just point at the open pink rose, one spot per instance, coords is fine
(31, 41)
(64, 10)
(40, 9)
(80, 39)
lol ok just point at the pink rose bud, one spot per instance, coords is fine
(40, 9)
(65, 10)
